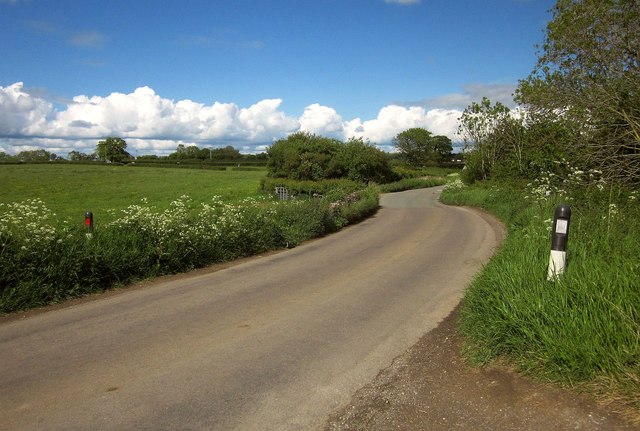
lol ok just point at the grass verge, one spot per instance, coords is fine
(582, 330)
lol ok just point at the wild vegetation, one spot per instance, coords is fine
(583, 330)
(580, 103)
(575, 140)
(307, 157)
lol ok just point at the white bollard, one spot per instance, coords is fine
(559, 240)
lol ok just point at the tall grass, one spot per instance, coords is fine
(581, 330)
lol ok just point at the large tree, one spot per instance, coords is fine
(304, 156)
(588, 76)
(491, 134)
(113, 150)
(420, 147)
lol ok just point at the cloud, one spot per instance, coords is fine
(394, 119)
(322, 120)
(140, 115)
(81, 124)
(403, 2)
(42, 26)
(252, 44)
(153, 124)
(21, 113)
(88, 39)
(471, 93)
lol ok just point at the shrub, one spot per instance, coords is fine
(359, 161)
(302, 156)
(306, 157)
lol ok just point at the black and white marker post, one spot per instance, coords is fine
(559, 240)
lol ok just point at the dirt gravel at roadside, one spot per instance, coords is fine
(430, 387)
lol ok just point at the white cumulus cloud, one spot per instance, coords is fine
(153, 124)
(394, 119)
(322, 120)
(502, 93)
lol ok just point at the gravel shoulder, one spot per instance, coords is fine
(430, 387)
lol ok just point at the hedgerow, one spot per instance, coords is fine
(44, 261)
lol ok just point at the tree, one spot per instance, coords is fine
(113, 150)
(37, 156)
(588, 76)
(491, 134)
(306, 157)
(226, 153)
(4, 157)
(420, 147)
(183, 153)
(302, 156)
(77, 156)
(360, 161)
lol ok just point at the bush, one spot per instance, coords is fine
(359, 161)
(302, 156)
(306, 157)
(330, 188)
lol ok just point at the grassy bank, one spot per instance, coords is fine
(582, 330)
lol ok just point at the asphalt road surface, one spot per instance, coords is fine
(272, 343)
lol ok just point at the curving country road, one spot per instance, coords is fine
(271, 343)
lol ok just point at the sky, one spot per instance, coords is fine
(213, 73)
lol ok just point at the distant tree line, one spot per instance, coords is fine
(299, 156)
(31, 156)
(113, 150)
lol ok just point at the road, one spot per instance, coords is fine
(272, 343)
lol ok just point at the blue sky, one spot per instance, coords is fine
(247, 72)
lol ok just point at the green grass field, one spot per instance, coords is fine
(70, 190)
